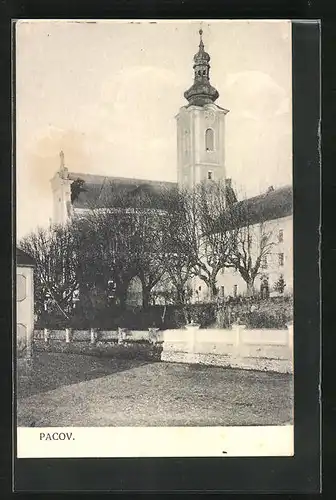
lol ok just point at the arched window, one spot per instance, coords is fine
(209, 139)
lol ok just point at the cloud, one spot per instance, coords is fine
(285, 106)
(253, 94)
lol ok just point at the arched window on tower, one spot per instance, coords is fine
(209, 139)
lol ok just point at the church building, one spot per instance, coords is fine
(200, 153)
(200, 126)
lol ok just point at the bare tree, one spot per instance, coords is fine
(147, 210)
(122, 240)
(178, 241)
(213, 243)
(54, 250)
(252, 241)
(104, 253)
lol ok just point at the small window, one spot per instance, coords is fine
(280, 236)
(264, 262)
(199, 288)
(204, 72)
(209, 139)
(235, 290)
(281, 259)
(222, 291)
(210, 175)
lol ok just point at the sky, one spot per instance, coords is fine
(107, 93)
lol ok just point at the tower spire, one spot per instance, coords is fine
(63, 171)
(62, 159)
(201, 44)
(201, 92)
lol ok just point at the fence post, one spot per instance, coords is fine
(93, 335)
(153, 335)
(192, 333)
(238, 331)
(290, 335)
(46, 335)
(121, 335)
(67, 335)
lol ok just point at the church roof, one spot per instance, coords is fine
(97, 189)
(272, 205)
(24, 259)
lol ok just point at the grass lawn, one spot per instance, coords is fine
(78, 390)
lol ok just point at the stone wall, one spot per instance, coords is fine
(266, 350)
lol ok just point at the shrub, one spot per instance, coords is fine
(53, 321)
(204, 314)
(262, 319)
(141, 350)
(21, 347)
(270, 313)
(273, 312)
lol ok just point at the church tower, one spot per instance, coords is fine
(200, 129)
(61, 190)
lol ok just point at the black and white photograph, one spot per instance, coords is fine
(154, 233)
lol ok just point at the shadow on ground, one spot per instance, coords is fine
(77, 390)
(52, 370)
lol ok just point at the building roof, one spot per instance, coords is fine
(274, 204)
(24, 259)
(97, 189)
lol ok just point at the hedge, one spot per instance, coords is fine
(268, 313)
(129, 350)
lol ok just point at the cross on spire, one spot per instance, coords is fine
(201, 44)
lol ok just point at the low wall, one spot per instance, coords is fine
(266, 350)
(121, 344)
(86, 335)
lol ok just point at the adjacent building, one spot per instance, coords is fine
(24, 304)
(269, 215)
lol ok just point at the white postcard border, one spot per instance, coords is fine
(136, 442)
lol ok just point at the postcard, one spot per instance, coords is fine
(154, 260)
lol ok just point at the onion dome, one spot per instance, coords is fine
(201, 92)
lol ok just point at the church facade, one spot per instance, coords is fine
(200, 152)
(200, 127)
